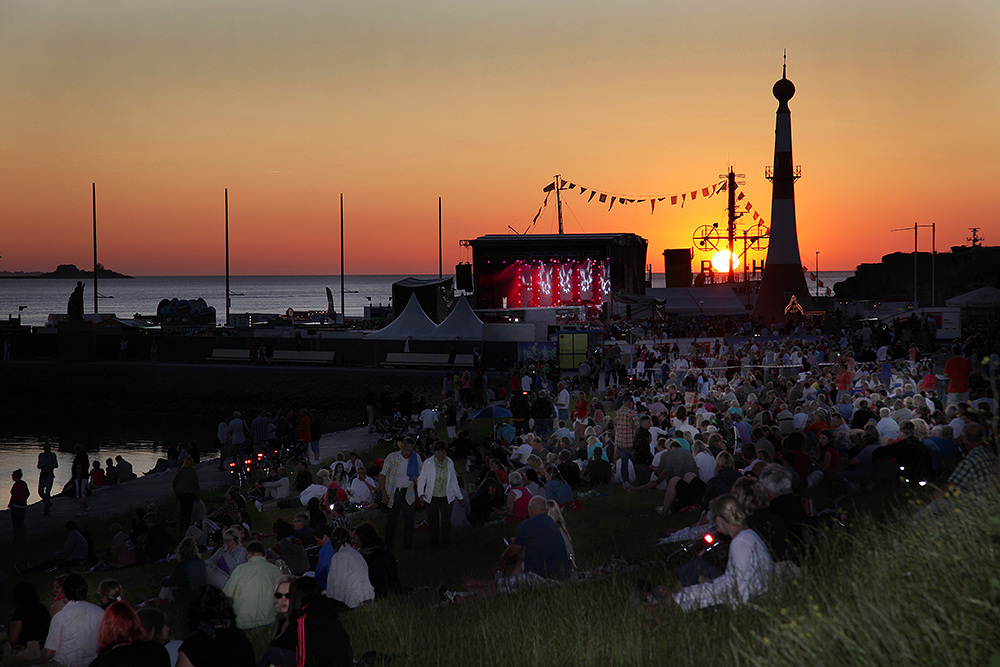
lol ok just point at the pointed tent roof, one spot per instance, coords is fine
(413, 321)
(984, 297)
(460, 323)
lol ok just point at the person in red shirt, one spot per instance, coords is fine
(97, 477)
(958, 369)
(18, 504)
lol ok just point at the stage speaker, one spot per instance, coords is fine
(463, 277)
(677, 268)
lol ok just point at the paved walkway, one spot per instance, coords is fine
(157, 488)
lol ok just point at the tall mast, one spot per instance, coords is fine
(559, 202)
(342, 316)
(440, 258)
(94, 193)
(227, 258)
(732, 220)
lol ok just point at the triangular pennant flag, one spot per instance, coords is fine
(572, 186)
(673, 200)
(740, 198)
(704, 192)
(661, 199)
(723, 187)
(755, 214)
(603, 198)
(820, 283)
(639, 201)
(550, 187)
(583, 190)
(652, 206)
(591, 196)
(804, 269)
(683, 197)
(612, 203)
(749, 206)
(694, 195)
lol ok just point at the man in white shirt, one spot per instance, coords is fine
(428, 419)
(562, 401)
(361, 488)
(72, 638)
(522, 452)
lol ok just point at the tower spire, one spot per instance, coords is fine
(783, 278)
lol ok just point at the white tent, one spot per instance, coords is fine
(412, 322)
(984, 297)
(461, 323)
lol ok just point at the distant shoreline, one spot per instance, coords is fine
(67, 272)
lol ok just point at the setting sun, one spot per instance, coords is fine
(720, 261)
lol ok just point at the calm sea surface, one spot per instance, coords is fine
(252, 294)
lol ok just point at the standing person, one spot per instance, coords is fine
(47, 464)
(626, 425)
(72, 638)
(187, 490)
(958, 369)
(222, 440)
(398, 482)
(238, 433)
(315, 433)
(81, 474)
(303, 433)
(438, 487)
(18, 504)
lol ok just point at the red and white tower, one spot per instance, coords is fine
(783, 277)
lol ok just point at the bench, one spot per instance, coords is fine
(303, 357)
(425, 360)
(223, 354)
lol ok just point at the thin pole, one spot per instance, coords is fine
(440, 258)
(916, 304)
(227, 257)
(817, 273)
(559, 202)
(342, 316)
(94, 193)
(933, 265)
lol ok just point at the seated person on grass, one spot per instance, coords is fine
(121, 552)
(537, 556)
(748, 569)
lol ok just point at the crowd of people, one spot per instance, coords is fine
(737, 434)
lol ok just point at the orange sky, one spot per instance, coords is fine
(165, 104)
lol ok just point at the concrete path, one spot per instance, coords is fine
(157, 488)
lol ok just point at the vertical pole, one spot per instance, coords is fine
(933, 265)
(440, 257)
(228, 300)
(916, 304)
(817, 273)
(559, 201)
(732, 220)
(342, 316)
(94, 193)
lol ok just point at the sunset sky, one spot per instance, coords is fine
(288, 104)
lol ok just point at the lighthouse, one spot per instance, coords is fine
(783, 278)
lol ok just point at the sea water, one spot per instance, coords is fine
(250, 294)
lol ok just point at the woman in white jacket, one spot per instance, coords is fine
(438, 487)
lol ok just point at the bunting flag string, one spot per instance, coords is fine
(705, 192)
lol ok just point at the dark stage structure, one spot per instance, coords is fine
(540, 270)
